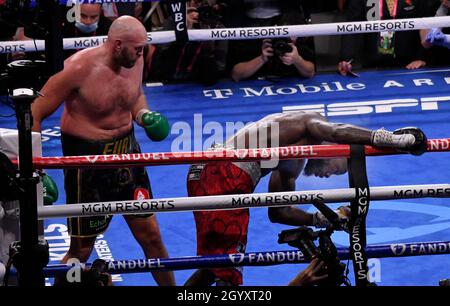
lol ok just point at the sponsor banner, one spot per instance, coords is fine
(239, 201)
(320, 29)
(260, 258)
(76, 43)
(247, 33)
(263, 154)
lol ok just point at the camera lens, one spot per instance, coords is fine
(281, 46)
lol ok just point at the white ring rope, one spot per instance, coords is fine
(342, 28)
(239, 201)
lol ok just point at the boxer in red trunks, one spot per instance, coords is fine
(222, 232)
(225, 231)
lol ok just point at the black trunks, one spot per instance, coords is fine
(101, 185)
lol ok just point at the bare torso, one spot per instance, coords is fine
(100, 107)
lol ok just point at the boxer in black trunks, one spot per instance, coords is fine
(102, 95)
(225, 231)
(88, 185)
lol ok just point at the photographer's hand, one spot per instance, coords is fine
(266, 50)
(244, 70)
(109, 283)
(311, 275)
(305, 68)
(292, 57)
(344, 67)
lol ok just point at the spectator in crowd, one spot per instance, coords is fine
(276, 57)
(191, 61)
(438, 39)
(385, 49)
(91, 23)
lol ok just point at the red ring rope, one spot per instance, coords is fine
(169, 158)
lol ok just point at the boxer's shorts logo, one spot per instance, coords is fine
(141, 194)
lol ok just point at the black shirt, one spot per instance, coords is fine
(246, 50)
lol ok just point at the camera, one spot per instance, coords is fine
(16, 257)
(97, 275)
(303, 238)
(23, 74)
(281, 46)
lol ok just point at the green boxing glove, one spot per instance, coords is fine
(156, 125)
(50, 190)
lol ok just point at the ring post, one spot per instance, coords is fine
(357, 174)
(31, 270)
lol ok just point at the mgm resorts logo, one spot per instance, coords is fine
(368, 107)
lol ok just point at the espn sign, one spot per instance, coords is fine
(368, 107)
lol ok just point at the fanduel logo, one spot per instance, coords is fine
(398, 249)
(368, 107)
(237, 258)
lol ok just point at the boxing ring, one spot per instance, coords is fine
(385, 98)
(159, 205)
(162, 178)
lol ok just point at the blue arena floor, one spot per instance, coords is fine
(389, 99)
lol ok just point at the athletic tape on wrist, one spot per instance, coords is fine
(139, 115)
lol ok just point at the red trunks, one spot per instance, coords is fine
(220, 232)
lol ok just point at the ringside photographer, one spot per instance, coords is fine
(280, 57)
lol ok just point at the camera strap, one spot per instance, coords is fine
(359, 208)
(179, 17)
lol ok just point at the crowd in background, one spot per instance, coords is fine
(208, 61)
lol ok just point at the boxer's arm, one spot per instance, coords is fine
(284, 180)
(55, 92)
(319, 128)
(411, 140)
(140, 104)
